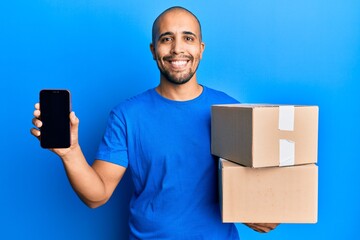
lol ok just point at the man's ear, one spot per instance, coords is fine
(202, 47)
(152, 49)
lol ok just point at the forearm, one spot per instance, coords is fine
(84, 179)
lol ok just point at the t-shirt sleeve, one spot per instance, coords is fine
(113, 145)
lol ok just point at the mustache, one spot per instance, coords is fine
(172, 57)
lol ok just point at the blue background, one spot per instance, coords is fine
(292, 52)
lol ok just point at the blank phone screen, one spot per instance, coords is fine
(55, 110)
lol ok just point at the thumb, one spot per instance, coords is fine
(74, 121)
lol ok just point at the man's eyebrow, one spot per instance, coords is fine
(171, 33)
(165, 34)
(189, 33)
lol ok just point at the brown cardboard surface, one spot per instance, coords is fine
(249, 134)
(268, 195)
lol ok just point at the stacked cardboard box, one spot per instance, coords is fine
(267, 168)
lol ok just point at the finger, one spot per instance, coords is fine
(74, 121)
(37, 123)
(265, 227)
(262, 229)
(253, 226)
(36, 113)
(37, 110)
(35, 132)
(270, 226)
(259, 227)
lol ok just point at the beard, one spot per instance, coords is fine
(177, 77)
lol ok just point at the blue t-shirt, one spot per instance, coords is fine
(166, 145)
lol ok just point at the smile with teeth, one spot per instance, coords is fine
(178, 63)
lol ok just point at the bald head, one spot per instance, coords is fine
(155, 25)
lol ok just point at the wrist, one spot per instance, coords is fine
(73, 153)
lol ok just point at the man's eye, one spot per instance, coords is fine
(167, 39)
(189, 39)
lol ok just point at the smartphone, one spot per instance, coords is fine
(55, 107)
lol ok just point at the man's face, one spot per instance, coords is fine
(177, 46)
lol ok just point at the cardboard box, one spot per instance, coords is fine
(268, 195)
(265, 135)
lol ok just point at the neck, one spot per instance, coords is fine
(179, 92)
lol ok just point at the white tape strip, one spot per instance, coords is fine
(286, 118)
(287, 152)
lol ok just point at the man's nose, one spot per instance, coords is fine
(177, 46)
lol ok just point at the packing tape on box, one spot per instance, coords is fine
(287, 153)
(286, 118)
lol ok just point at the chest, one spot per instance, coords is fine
(171, 136)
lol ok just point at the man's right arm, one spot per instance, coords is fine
(93, 184)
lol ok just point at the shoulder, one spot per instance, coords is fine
(134, 104)
(219, 97)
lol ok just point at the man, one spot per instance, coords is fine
(163, 137)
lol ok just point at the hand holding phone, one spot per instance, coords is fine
(55, 107)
